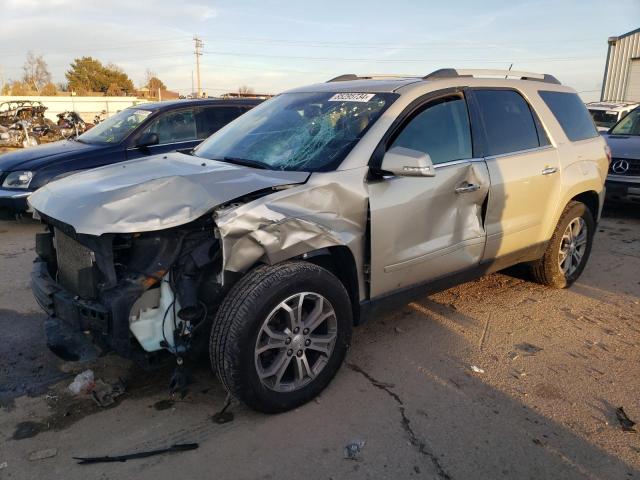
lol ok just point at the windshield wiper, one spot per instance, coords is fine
(248, 163)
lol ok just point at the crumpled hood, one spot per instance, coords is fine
(625, 146)
(36, 157)
(152, 193)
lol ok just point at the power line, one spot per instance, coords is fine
(198, 53)
(448, 60)
(386, 44)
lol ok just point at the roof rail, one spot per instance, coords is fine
(454, 73)
(351, 76)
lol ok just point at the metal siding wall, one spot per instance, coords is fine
(617, 73)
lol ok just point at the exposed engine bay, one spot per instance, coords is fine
(158, 285)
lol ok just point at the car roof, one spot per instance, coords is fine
(438, 79)
(611, 105)
(370, 85)
(172, 104)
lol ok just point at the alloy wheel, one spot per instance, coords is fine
(572, 246)
(295, 342)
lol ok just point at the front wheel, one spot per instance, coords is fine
(281, 335)
(569, 248)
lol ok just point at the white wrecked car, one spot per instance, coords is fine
(285, 228)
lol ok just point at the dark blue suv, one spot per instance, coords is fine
(139, 131)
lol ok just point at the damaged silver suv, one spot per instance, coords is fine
(280, 232)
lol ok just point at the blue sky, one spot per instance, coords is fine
(273, 45)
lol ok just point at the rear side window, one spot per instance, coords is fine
(508, 122)
(571, 113)
(440, 130)
(174, 127)
(212, 119)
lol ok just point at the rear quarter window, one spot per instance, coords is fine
(571, 113)
(212, 119)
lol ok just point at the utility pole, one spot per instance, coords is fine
(198, 52)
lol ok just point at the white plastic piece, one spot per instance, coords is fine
(477, 369)
(83, 383)
(147, 326)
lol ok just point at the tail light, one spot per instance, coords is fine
(607, 152)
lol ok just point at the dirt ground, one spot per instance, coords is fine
(552, 367)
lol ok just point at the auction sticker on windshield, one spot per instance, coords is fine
(352, 97)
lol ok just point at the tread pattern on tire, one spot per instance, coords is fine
(235, 305)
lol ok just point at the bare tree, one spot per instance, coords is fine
(245, 90)
(153, 83)
(36, 73)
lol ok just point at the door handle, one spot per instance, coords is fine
(468, 188)
(549, 170)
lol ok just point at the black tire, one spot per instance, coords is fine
(241, 315)
(547, 270)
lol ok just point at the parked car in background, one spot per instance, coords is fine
(607, 114)
(623, 181)
(287, 227)
(139, 131)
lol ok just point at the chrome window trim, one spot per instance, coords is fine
(458, 162)
(519, 152)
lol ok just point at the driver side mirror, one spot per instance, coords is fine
(148, 139)
(405, 162)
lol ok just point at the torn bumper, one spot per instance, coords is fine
(70, 317)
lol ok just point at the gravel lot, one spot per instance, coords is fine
(556, 365)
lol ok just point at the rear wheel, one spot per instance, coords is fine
(569, 248)
(281, 335)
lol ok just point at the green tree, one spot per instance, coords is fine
(90, 75)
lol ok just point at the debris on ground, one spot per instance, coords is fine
(528, 348)
(398, 330)
(353, 449)
(3, 465)
(42, 454)
(179, 447)
(476, 369)
(105, 394)
(83, 383)
(625, 422)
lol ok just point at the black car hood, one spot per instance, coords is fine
(43, 155)
(152, 193)
(624, 146)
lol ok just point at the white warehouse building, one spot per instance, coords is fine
(622, 71)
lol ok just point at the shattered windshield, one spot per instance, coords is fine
(298, 131)
(116, 128)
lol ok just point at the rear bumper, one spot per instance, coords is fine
(13, 200)
(623, 191)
